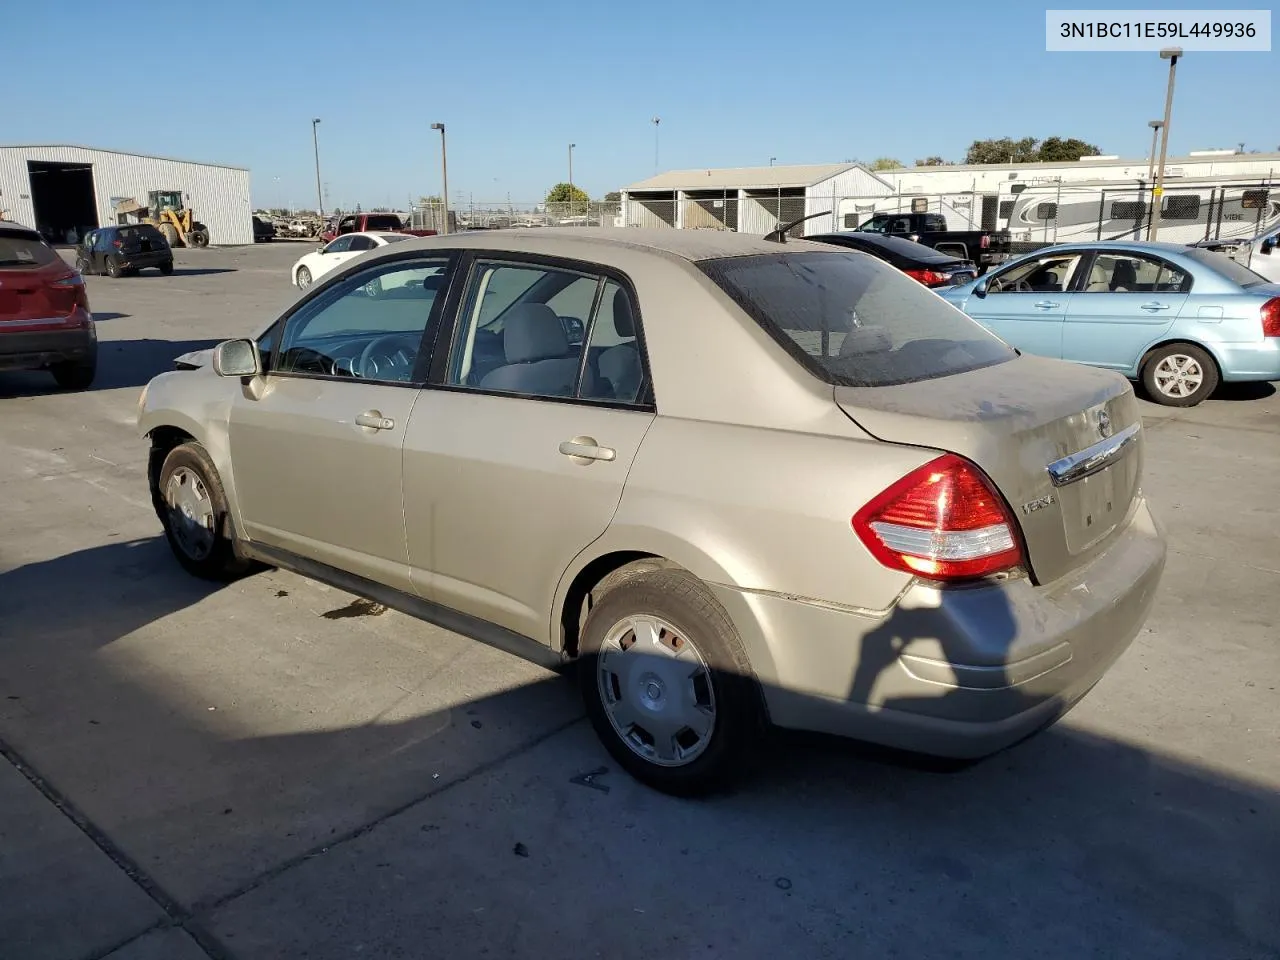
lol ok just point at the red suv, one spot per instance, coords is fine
(45, 323)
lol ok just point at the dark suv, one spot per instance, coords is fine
(117, 251)
(45, 323)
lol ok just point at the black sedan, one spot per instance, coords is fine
(922, 263)
(124, 250)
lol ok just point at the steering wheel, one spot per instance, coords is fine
(1022, 287)
(367, 369)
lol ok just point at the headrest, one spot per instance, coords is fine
(624, 321)
(433, 282)
(533, 332)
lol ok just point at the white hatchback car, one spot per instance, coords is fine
(337, 252)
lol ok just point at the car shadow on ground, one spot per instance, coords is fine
(99, 317)
(200, 271)
(121, 363)
(1080, 843)
(1254, 390)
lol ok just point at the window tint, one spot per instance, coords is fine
(854, 320)
(614, 351)
(1221, 264)
(1128, 209)
(521, 329)
(936, 223)
(1047, 274)
(1181, 208)
(21, 248)
(1132, 273)
(876, 224)
(382, 221)
(341, 245)
(370, 326)
(361, 243)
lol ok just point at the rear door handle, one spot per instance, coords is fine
(374, 420)
(1155, 306)
(1047, 304)
(584, 449)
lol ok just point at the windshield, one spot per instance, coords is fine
(382, 221)
(854, 320)
(20, 248)
(1221, 264)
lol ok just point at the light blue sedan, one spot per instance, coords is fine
(1179, 319)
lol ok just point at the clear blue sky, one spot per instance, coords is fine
(516, 82)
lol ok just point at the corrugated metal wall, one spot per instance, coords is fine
(826, 196)
(219, 195)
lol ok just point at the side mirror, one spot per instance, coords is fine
(980, 290)
(237, 358)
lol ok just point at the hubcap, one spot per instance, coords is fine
(304, 278)
(656, 690)
(1178, 375)
(190, 513)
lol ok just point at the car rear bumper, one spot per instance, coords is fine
(36, 349)
(1250, 361)
(951, 672)
(140, 261)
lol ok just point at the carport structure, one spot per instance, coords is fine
(748, 199)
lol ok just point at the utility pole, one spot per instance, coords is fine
(315, 143)
(444, 176)
(1171, 54)
(655, 121)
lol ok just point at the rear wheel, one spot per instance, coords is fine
(82, 266)
(199, 236)
(304, 278)
(1180, 375)
(170, 234)
(192, 506)
(113, 267)
(167, 267)
(667, 684)
(75, 375)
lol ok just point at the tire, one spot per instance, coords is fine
(660, 749)
(199, 236)
(1180, 375)
(82, 267)
(303, 278)
(167, 267)
(113, 268)
(192, 506)
(170, 234)
(75, 375)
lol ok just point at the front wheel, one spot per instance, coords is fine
(667, 684)
(113, 268)
(192, 506)
(304, 278)
(1180, 375)
(75, 375)
(167, 267)
(199, 237)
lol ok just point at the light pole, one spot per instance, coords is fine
(1171, 54)
(444, 176)
(571, 146)
(771, 159)
(655, 121)
(1155, 126)
(315, 143)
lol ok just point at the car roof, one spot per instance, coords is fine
(577, 242)
(1150, 246)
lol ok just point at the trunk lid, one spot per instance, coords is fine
(1063, 443)
(29, 294)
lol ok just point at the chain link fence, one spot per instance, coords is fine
(505, 214)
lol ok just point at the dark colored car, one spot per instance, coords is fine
(931, 267)
(45, 323)
(263, 232)
(370, 223)
(986, 248)
(117, 251)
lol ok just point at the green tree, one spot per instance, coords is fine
(1003, 150)
(886, 163)
(615, 195)
(564, 192)
(933, 162)
(1055, 149)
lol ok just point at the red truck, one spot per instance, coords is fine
(364, 222)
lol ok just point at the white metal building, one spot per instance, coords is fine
(748, 199)
(63, 190)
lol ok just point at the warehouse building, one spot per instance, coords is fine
(64, 191)
(749, 199)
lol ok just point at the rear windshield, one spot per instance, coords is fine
(382, 221)
(395, 237)
(904, 248)
(1222, 264)
(22, 248)
(143, 231)
(854, 320)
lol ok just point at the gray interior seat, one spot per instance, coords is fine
(620, 365)
(539, 359)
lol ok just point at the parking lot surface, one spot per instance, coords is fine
(277, 769)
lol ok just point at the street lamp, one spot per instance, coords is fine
(444, 176)
(1171, 54)
(1155, 126)
(655, 121)
(571, 146)
(315, 143)
(771, 159)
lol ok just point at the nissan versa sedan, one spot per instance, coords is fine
(1180, 319)
(740, 482)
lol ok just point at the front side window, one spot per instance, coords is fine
(341, 245)
(370, 326)
(361, 243)
(855, 320)
(1047, 274)
(525, 329)
(1133, 273)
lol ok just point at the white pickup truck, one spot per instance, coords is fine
(1261, 254)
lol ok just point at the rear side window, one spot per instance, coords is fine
(1220, 263)
(21, 248)
(855, 321)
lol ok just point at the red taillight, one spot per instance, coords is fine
(79, 296)
(929, 278)
(944, 521)
(1271, 318)
(117, 244)
(984, 242)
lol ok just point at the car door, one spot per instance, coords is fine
(335, 254)
(1026, 303)
(316, 452)
(1127, 300)
(513, 464)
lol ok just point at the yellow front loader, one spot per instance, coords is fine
(166, 211)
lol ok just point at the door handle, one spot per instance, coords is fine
(374, 420)
(585, 449)
(1047, 304)
(1155, 306)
